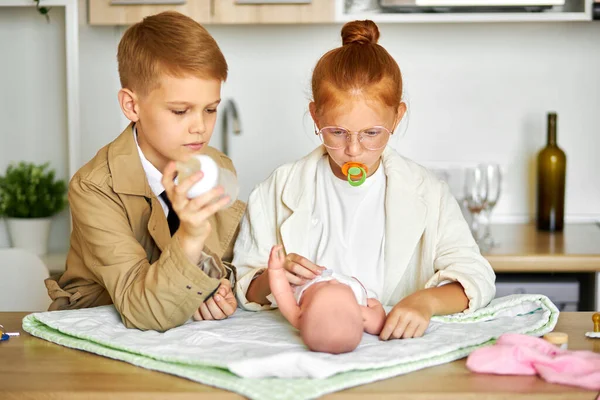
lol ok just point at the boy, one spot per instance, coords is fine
(137, 241)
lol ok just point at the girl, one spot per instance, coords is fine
(399, 231)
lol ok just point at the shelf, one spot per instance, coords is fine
(574, 10)
(470, 17)
(103, 12)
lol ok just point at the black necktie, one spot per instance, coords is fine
(172, 218)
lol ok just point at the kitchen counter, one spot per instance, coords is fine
(522, 248)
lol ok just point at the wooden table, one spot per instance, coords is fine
(33, 368)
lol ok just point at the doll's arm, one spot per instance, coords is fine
(280, 287)
(374, 316)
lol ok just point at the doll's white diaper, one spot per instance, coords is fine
(359, 290)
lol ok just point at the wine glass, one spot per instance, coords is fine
(475, 198)
(493, 177)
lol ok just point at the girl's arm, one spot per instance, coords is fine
(259, 288)
(251, 250)
(445, 299)
(259, 230)
(458, 259)
(410, 317)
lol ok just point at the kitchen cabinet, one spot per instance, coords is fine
(229, 12)
(106, 12)
(103, 12)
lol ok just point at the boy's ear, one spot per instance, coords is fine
(399, 115)
(128, 102)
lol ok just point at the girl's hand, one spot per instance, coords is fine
(409, 318)
(300, 270)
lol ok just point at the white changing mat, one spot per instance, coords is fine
(263, 344)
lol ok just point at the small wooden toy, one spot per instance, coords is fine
(596, 332)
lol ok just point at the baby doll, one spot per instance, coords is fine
(332, 311)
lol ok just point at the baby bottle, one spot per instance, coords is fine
(213, 176)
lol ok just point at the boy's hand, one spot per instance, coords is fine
(300, 270)
(220, 306)
(409, 318)
(193, 214)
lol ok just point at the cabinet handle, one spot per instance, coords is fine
(142, 2)
(266, 2)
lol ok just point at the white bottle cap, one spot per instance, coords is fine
(210, 169)
(213, 176)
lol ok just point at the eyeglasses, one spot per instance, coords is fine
(335, 137)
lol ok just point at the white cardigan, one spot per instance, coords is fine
(427, 240)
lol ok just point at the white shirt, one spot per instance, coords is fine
(348, 227)
(153, 175)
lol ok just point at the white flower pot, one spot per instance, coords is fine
(30, 234)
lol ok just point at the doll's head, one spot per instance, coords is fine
(330, 319)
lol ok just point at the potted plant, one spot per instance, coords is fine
(30, 196)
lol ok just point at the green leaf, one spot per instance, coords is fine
(28, 190)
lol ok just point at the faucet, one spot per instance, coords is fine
(230, 115)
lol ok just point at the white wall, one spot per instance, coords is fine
(476, 92)
(33, 120)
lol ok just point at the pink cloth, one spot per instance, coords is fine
(527, 355)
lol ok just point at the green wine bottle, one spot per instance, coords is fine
(551, 176)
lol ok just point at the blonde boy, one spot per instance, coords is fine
(137, 241)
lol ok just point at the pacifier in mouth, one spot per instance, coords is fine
(356, 173)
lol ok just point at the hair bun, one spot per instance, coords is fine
(360, 32)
